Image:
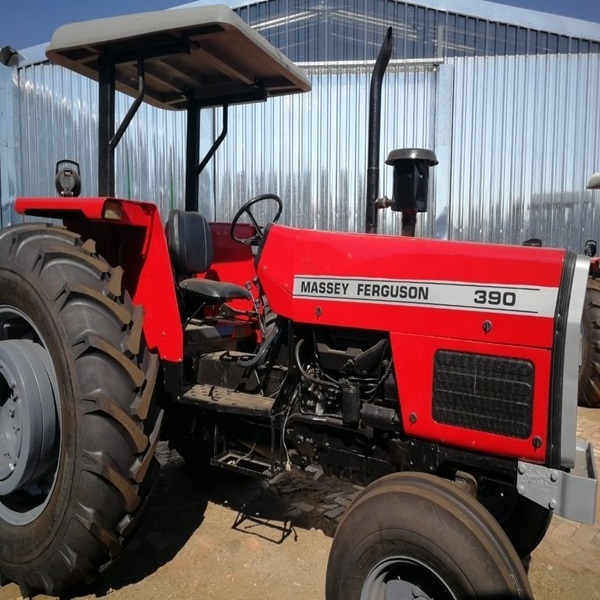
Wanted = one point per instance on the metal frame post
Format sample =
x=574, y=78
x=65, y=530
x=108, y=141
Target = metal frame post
x=106, y=127
x=192, y=155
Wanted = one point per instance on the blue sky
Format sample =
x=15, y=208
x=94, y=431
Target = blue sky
x=26, y=23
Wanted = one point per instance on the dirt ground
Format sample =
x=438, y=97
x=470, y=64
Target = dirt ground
x=232, y=538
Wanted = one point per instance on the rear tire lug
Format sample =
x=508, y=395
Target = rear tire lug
x=57, y=296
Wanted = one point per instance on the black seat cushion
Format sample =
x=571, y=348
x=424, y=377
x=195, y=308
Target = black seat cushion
x=214, y=292
x=190, y=242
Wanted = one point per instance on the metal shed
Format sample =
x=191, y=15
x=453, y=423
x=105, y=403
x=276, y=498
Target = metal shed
x=508, y=99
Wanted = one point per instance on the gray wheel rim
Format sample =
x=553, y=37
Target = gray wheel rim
x=29, y=420
x=404, y=578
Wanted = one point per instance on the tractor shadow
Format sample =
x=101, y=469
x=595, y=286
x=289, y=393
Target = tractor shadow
x=293, y=501
x=272, y=511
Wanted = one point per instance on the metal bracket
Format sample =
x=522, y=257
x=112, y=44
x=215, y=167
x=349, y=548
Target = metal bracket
x=569, y=494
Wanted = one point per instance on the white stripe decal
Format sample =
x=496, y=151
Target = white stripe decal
x=512, y=299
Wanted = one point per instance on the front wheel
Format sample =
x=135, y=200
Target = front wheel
x=418, y=536
x=78, y=423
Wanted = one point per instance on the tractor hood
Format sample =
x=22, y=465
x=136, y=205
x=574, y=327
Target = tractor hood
x=491, y=293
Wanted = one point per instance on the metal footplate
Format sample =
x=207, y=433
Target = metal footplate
x=569, y=494
x=225, y=400
x=246, y=464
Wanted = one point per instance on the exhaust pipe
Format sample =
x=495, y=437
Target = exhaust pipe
x=375, y=131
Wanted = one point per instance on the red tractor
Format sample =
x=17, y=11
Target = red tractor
x=442, y=375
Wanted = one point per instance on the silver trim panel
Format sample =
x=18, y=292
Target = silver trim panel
x=568, y=425
x=571, y=495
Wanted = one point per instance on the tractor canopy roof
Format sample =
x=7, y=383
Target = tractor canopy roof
x=207, y=54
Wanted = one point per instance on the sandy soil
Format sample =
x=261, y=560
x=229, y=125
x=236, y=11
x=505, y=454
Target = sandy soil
x=231, y=538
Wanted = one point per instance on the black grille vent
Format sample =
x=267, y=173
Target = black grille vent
x=486, y=393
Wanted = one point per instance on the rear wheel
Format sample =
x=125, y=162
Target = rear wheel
x=78, y=423
x=418, y=536
x=589, y=370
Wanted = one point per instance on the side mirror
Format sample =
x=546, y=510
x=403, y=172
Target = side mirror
x=67, y=179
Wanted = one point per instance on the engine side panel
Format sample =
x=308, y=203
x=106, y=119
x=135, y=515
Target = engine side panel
x=415, y=369
x=472, y=327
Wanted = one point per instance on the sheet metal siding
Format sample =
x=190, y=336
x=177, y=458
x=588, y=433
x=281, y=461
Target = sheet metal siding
x=8, y=143
x=523, y=143
x=328, y=30
x=526, y=139
x=311, y=149
x=57, y=120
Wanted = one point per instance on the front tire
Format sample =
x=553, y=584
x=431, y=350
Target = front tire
x=88, y=460
x=416, y=535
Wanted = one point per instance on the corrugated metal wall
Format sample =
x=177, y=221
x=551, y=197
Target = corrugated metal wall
x=517, y=135
x=312, y=149
x=57, y=116
x=334, y=30
x=8, y=142
x=526, y=138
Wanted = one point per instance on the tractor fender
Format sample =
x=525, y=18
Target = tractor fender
x=128, y=234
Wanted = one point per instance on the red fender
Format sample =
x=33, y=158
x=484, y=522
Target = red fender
x=129, y=234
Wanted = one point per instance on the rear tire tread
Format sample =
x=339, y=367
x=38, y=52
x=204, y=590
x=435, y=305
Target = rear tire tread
x=59, y=259
x=96, y=343
x=141, y=405
x=102, y=403
x=142, y=464
x=105, y=468
x=91, y=520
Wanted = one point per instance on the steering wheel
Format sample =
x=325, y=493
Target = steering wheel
x=245, y=208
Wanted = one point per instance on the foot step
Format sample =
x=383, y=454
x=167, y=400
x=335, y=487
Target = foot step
x=225, y=400
x=254, y=466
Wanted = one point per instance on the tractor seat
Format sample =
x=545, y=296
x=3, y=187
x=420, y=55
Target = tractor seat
x=191, y=250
